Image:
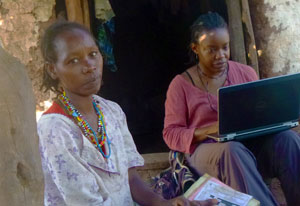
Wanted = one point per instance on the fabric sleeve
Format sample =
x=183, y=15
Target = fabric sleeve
x=251, y=74
x=134, y=158
x=61, y=158
x=177, y=135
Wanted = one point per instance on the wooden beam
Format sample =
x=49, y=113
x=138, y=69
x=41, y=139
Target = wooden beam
x=74, y=10
x=78, y=11
x=237, y=46
x=249, y=37
x=86, y=13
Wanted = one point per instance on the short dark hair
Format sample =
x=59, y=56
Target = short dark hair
x=49, y=52
x=205, y=22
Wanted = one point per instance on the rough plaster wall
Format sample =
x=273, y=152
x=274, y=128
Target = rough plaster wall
x=21, y=23
x=276, y=27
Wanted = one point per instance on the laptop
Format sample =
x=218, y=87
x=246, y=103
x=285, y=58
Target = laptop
x=258, y=108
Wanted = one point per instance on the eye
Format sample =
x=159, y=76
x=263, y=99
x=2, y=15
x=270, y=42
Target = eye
x=212, y=50
x=226, y=47
x=73, y=61
x=93, y=53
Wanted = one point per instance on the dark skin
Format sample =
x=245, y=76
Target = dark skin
x=144, y=196
x=79, y=71
x=212, y=50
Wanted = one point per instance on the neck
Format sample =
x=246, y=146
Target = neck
x=84, y=104
x=208, y=73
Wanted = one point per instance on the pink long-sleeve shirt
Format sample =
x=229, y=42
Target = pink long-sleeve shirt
x=187, y=107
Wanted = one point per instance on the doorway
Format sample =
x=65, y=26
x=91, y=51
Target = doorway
x=150, y=46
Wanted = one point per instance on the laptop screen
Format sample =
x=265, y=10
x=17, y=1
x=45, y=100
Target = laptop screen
x=259, y=104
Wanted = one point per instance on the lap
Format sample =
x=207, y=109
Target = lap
x=275, y=151
x=267, y=150
x=209, y=157
x=215, y=150
x=269, y=142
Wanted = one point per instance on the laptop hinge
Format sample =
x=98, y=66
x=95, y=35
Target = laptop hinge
x=286, y=124
x=231, y=135
x=291, y=124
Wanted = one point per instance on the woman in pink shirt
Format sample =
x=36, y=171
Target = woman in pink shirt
x=191, y=114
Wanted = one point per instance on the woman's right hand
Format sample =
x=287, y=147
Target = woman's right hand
x=200, y=133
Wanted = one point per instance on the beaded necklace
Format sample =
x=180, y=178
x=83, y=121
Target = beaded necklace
x=86, y=128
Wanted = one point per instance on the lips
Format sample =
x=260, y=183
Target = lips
x=92, y=80
x=222, y=63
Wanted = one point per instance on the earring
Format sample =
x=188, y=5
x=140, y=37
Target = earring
x=196, y=57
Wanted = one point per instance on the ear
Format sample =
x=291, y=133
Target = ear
x=194, y=47
x=51, y=70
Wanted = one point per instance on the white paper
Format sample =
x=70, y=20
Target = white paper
x=225, y=195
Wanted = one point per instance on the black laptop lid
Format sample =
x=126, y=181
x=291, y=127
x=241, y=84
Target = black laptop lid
x=258, y=104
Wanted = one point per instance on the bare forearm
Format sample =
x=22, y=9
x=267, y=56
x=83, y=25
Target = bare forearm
x=145, y=197
x=141, y=193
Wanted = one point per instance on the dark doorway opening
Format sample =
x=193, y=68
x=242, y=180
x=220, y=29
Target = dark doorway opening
x=150, y=47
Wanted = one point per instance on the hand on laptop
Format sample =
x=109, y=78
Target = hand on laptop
x=200, y=133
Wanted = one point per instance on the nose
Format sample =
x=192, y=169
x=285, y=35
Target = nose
x=88, y=66
x=220, y=54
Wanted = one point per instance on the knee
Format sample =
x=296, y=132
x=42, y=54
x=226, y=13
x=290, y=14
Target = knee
x=233, y=148
x=287, y=138
x=237, y=153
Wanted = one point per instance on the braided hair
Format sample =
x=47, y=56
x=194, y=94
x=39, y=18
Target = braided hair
x=205, y=22
x=49, y=52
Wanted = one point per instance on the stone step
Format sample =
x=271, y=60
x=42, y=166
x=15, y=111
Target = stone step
x=154, y=164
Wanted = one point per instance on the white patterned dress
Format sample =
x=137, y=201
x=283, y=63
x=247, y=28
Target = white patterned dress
x=75, y=172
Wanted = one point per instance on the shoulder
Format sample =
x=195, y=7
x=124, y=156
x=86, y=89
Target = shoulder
x=107, y=104
x=55, y=120
x=189, y=74
x=242, y=70
x=110, y=108
x=177, y=82
x=58, y=127
x=238, y=67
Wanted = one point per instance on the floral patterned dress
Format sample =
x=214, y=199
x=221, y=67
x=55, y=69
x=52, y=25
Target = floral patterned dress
x=75, y=172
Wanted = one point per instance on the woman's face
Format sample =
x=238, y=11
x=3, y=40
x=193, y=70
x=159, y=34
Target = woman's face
x=213, y=50
x=79, y=63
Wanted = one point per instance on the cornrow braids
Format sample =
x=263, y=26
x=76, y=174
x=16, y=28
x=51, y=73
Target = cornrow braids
x=205, y=22
x=209, y=21
x=49, y=52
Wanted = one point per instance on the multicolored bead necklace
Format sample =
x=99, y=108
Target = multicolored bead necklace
x=86, y=128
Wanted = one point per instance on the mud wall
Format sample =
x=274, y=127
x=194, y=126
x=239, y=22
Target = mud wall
x=21, y=24
x=276, y=28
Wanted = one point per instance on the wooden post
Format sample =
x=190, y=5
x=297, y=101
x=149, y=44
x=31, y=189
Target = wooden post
x=78, y=10
x=20, y=163
x=237, y=46
x=86, y=13
x=74, y=10
x=249, y=37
